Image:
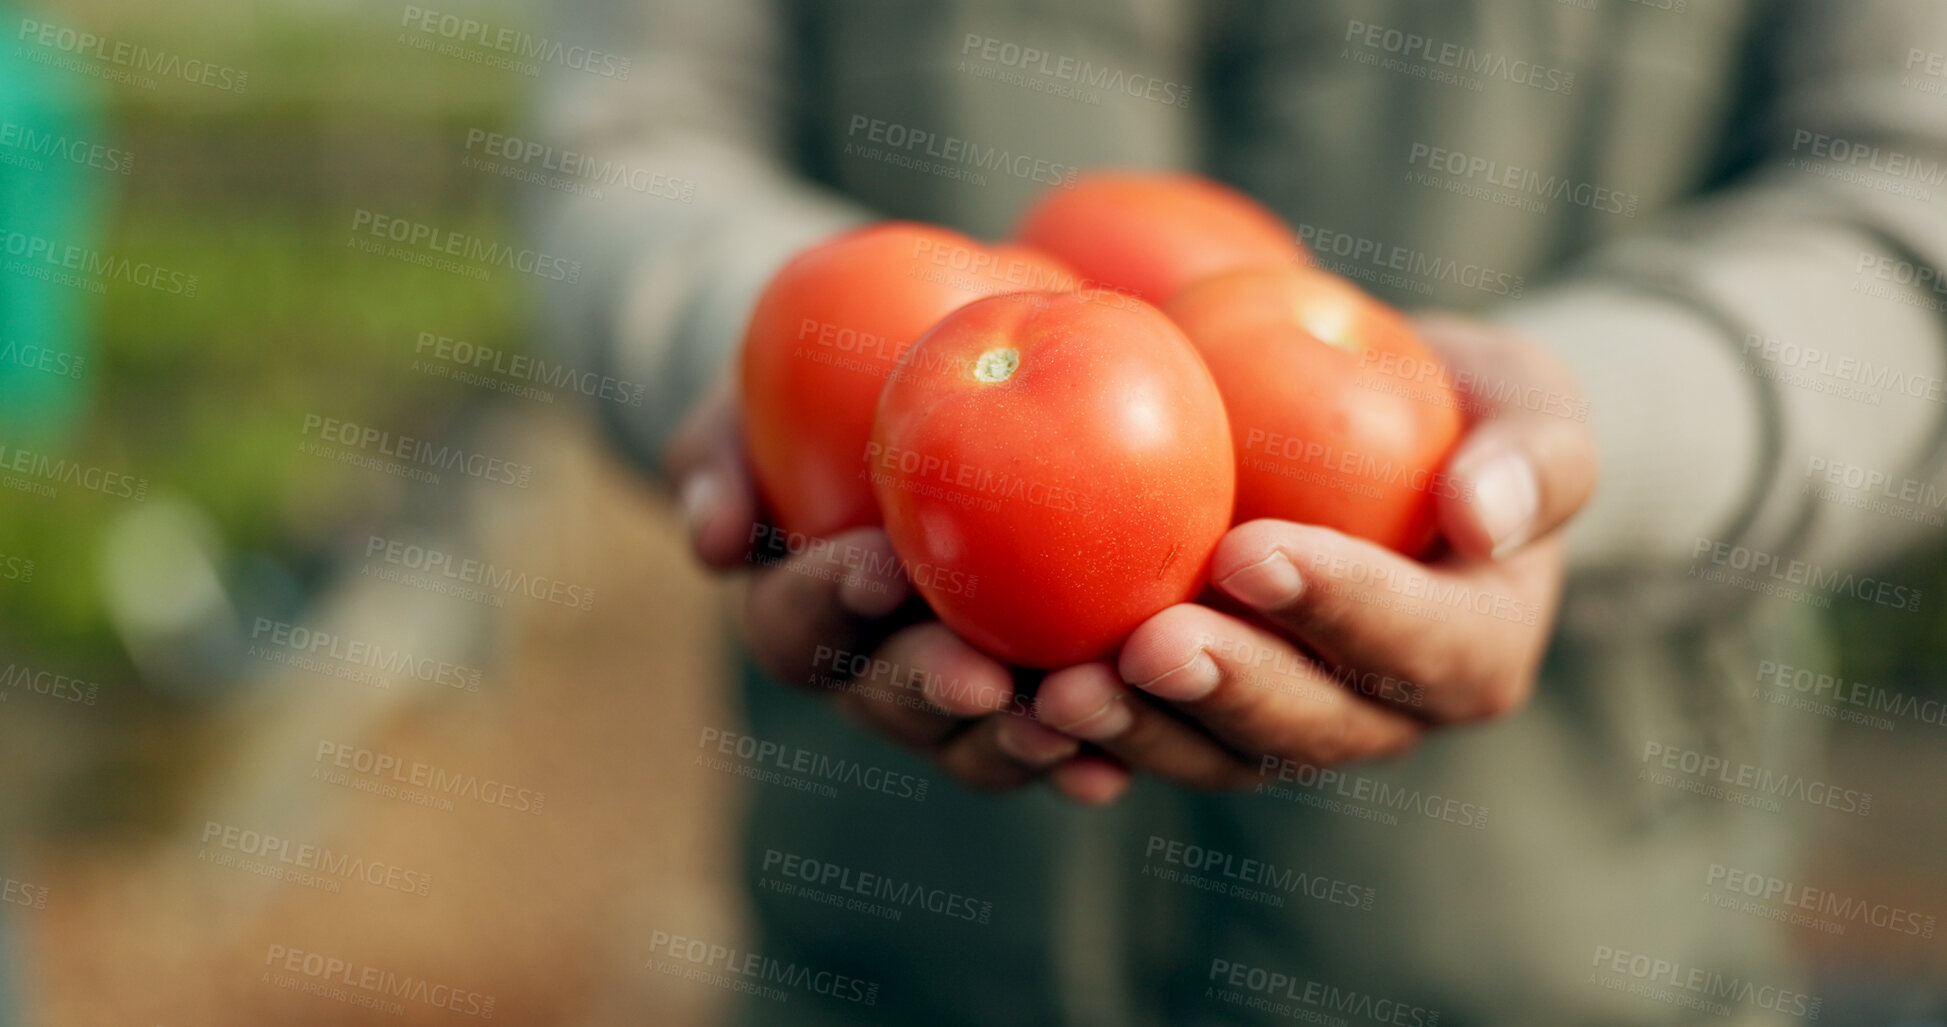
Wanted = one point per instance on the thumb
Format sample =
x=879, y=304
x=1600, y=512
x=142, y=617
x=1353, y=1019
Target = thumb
x=712, y=480
x=1523, y=469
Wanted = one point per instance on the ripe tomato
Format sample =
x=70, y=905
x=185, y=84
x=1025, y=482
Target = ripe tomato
x=1152, y=233
x=1341, y=415
x=824, y=335
x=1053, y=471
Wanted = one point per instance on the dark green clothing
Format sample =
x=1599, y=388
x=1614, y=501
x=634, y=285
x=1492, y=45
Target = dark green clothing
x=1493, y=924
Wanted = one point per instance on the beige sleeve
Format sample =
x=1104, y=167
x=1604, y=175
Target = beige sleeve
x=1769, y=370
x=702, y=206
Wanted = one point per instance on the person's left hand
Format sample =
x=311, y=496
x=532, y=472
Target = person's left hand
x=1330, y=648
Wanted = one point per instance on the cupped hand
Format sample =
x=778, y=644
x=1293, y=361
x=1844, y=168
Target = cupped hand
x=1318, y=648
x=839, y=616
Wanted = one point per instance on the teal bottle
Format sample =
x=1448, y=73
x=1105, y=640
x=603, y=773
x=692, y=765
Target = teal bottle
x=49, y=202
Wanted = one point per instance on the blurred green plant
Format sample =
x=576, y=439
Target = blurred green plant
x=253, y=192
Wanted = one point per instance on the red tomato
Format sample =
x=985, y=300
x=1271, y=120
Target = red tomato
x=824, y=335
x=1053, y=471
x=1152, y=232
x=1341, y=415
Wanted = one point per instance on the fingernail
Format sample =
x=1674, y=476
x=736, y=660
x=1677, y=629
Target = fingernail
x=1187, y=683
x=1269, y=584
x=876, y=584
x=1032, y=744
x=1110, y=720
x=699, y=495
x=1506, y=499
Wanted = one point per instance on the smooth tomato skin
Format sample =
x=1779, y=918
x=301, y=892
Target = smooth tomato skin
x=1045, y=515
x=1151, y=233
x=824, y=336
x=1341, y=415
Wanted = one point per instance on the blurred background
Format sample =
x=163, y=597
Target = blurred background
x=204, y=599
x=153, y=610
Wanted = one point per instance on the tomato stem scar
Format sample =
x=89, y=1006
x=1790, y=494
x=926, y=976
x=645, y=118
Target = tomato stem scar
x=997, y=365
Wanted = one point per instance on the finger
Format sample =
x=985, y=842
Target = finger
x=967, y=682
x=892, y=699
x=1030, y=743
x=1091, y=779
x=1256, y=692
x=874, y=584
x=976, y=757
x=712, y=480
x=1524, y=468
x=1517, y=480
x=1456, y=640
x=1092, y=703
x=800, y=613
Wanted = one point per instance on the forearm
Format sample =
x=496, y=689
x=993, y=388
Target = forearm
x=673, y=268
x=1787, y=323
x=1726, y=366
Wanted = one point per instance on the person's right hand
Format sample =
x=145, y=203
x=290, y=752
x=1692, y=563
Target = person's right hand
x=839, y=616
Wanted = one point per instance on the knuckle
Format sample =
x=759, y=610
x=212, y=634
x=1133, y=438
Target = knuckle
x=1346, y=737
x=1308, y=743
x=1332, y=748
x=1498, y=699
x=1058, y=707
x=1243, y=704
x=1145, y=738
